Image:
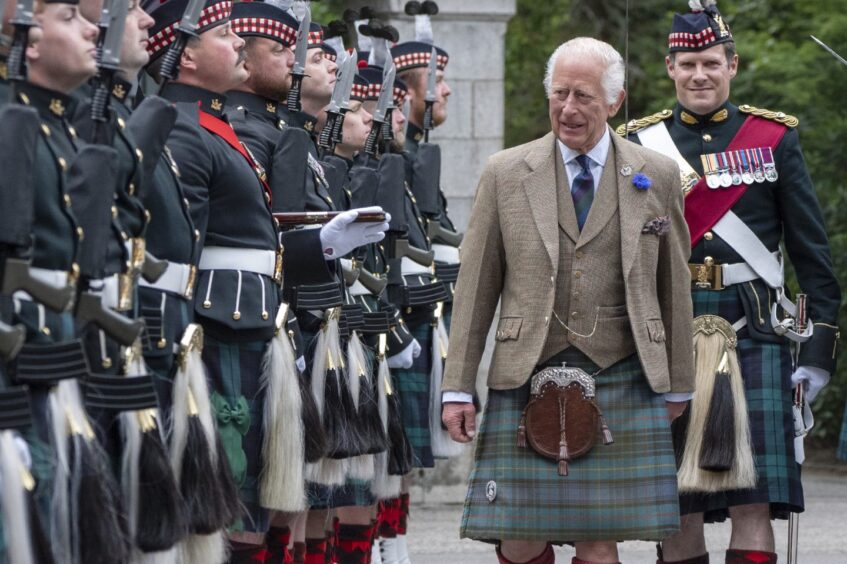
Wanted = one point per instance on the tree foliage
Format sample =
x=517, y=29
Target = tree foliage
x=781, y=68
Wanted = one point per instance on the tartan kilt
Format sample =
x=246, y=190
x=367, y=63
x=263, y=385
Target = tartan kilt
x=234, y=371
x=353, y=493
x=842, y=442
x=622, y=491
x=766, y=371
x=412, y=387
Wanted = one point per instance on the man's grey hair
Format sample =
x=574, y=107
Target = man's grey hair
x=588, y=47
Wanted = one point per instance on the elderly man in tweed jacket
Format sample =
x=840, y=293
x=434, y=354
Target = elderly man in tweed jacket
x=580, y=236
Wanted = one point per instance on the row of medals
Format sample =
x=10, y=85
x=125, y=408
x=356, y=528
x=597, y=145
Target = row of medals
x=743, y=166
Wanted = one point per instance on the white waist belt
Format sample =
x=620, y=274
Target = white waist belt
x=108, y=289
x=740, y=272
x=446, y=253
x=177, y=279
x=58, y=278
x=259, y=261
x=357, y=289
x=410, y=267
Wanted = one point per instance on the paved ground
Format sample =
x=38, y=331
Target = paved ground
x=434, y=538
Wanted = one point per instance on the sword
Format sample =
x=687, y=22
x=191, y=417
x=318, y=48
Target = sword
x=299, y=69
x=830, y=50
x=108, y=64
x=333, y=111
x=431, y=95
x=22, y=21
x=800, y=320
x=187, y=28
x=386, y=96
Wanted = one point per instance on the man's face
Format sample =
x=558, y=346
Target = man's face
x=134, y=47
x=357, y=126
x=702, y=78
x=216, y=59
x=66, y=54
x=269, y=64
x=320, y=76
x=398, y=125
x=577, y=103
x=442, y=91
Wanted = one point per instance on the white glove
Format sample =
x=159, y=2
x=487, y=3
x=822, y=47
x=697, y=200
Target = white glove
x=406, y=357
x=815, y=379
x=341, y=235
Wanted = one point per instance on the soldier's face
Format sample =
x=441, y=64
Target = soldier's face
x=578, y=107
x=134, y=48
x=65, y=56
x=269, y=64
x=216, y=60
x=398, y=125
x=357, y=126
x=320, y=77
x=702, y=78
x=442, y=90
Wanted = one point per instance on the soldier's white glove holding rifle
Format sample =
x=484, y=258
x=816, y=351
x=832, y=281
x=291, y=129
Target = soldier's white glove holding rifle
x=341, y=235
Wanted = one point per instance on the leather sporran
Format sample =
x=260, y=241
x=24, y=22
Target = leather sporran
x=562, y=420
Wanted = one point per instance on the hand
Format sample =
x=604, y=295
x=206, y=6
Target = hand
x=675, y=408
x=341, y=235
x=460, y=419
x=406, y=357
x=813, y=378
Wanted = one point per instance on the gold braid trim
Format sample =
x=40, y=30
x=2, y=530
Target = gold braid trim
x=637, y=124
x=779, y=117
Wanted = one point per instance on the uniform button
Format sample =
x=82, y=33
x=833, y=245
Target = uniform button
x=708, y=236
x=236, y=315
x=196, y=234
x=114, y=212
x=139, y=154
x=265, y=315
x=162, y=343
x=185, y=201
x=107, y=363
x=46, y=331
x=575, y=314
x=707, y=138
x=63, y=164
x=121, y=123
x=577, y=274
x=80, y=233
x=131, y=188
x=124, y=236
x=207, y=304
x=67, y=200
x=72, y=131
x=147, y=216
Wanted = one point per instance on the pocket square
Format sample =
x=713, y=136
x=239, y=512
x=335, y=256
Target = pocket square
x=658, y=226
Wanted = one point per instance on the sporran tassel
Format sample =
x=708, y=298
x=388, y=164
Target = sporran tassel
x=442, y=445
x=17, y=484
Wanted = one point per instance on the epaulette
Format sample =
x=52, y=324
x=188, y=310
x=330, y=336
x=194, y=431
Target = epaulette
x=779, y=117
x=638, y=124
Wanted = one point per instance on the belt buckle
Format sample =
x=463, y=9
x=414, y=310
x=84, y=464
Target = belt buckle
x=707, y=276
x=278, y=265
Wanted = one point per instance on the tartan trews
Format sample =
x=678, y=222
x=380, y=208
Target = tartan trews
x=412, y=386
x=626, y=490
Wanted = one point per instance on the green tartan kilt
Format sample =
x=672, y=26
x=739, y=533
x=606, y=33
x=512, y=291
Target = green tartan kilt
x=622, y=491
x=353, y=493
x=234, y=370
x=412, y=387
x=766, y=370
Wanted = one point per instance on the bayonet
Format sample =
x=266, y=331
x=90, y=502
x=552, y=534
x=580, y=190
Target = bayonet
x=333, y=111
x=108, y=63
x=187, y=28
x=22, y=21
x=431, y=94
x=299, y=69
x=386, y=96
x=388, y=87
x=829, y=49
x=347, y=79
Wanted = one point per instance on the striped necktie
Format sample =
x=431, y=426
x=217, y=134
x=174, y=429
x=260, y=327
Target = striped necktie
x=582, y=190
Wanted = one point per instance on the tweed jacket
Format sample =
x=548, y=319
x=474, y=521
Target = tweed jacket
x=510, y=255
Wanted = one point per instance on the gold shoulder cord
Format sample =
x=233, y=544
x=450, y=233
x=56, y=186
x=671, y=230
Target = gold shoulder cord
x=635, y=125
x=779, y=117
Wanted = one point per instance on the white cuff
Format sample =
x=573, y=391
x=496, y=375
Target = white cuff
x=678, y=396
x=456, y=397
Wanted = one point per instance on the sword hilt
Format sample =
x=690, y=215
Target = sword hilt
x=293, y=101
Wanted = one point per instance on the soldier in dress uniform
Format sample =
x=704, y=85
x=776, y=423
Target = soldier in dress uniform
x=748, y=193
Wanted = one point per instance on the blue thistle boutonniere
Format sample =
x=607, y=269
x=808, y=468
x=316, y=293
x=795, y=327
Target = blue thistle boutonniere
x=641, y=181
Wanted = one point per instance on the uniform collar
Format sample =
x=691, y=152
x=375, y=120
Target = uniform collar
x=414, y=133
x=121, y=89
x=208, y=101
x=47, y=102
x=254, y=104
x=691, y=119
x=303, y=121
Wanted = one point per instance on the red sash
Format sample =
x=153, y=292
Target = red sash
x=704, y=207
x=225, y=131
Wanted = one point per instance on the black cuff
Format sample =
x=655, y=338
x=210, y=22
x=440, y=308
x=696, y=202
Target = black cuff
x=303, y=258
x=821, y=351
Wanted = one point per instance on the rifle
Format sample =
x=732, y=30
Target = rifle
x=438, y=233
x=351, y=270
x=12, y=338
x=402, y=248
x=331, y=133
x=22, y=21
x=122, y=329
x=112, y=22
x=17, y=276
x=431, y=95
x=298, y=71
x=374, y=283
x=187, y=29
x=292, y=219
